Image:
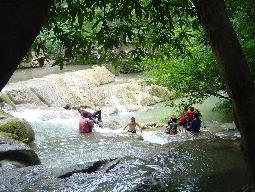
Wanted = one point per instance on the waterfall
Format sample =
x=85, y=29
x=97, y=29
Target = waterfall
x=122, y=109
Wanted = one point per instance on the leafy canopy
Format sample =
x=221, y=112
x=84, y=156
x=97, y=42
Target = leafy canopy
x=161, y=37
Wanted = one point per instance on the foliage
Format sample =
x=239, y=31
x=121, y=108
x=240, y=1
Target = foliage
x=195, y=77
x=242, y=14
x=162, y=37
x=81, y=30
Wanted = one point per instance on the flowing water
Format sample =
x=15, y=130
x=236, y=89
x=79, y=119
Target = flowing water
x=150, y=161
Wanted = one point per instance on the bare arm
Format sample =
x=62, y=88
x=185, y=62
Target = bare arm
x=126, y=126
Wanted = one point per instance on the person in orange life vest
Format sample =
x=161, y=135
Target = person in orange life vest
x=85, y=124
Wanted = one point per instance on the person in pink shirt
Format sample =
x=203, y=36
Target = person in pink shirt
x=85, y=124
x=94, y=116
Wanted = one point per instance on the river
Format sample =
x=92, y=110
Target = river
x=150, y=161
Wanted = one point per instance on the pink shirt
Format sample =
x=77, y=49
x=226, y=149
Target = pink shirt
x=85, y=125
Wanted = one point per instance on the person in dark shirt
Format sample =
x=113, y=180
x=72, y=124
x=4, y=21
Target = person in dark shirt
x=195, y=124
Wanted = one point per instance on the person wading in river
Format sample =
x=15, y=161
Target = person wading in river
x=132, y=126
x=172, y=125
x=95, y=116
x=85, y=124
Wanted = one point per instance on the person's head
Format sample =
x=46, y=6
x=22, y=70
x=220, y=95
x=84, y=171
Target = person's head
x=191, y=109
x=80, y=110
x=84, y=114
x=67, y=107
x=186, y=108
x=174, y=118
x=132, y=119
x=196, y=115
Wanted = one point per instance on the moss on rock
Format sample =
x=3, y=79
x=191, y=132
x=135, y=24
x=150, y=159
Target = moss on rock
x=3, y=115
x=4, y=98
x=18, y=127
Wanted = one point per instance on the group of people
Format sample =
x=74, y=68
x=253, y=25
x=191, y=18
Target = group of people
x=189, y=120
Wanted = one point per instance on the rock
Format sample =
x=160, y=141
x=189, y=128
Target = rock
x=35, y=178
x=20, y=128
x=15, y=154
x=40, y=178
x=151, y=125
x=84, y=87
x=228, y=126
x=19, y=93
x=5, y=100
x=3, y=115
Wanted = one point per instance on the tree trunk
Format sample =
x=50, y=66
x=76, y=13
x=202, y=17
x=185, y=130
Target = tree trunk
x=21, y=21
x=235, y=71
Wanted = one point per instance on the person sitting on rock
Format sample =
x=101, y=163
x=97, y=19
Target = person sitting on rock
x=85, y=124
x=95, y=116
x=132, y=126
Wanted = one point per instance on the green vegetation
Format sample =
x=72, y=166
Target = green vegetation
x=160, y=38
x=19, y=128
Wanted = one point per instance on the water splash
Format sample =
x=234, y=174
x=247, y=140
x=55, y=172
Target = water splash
x=159, y=137
x=122, y=110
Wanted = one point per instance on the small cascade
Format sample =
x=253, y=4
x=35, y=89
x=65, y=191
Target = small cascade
x=56, y=90
x=122, y=110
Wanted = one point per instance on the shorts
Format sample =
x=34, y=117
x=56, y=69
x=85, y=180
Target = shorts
x=131, y=131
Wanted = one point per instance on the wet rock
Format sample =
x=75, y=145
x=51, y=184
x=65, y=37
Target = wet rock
x=5, y=100
x=15, y=154
x=228, y=126
x=3, y=115
x=20, y=128
x=158, y=91
x=84, y=168
x=40, y=178
x=151, y=125
x=85, y=87
x=19, y=93
x=35, y=178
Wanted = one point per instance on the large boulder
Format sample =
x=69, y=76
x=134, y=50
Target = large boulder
x=20, y=128
x=15, y=154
